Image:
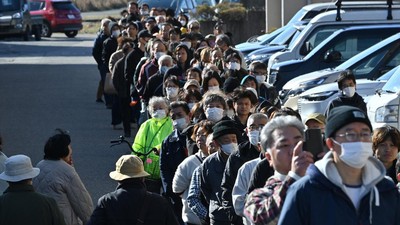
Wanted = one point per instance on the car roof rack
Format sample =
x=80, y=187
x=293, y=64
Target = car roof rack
x=338, y=4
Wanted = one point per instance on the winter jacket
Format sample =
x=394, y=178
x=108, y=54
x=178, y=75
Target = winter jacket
x=356, y=101
x=181, y=182
x=173, y=152
x=123, y=206
x=320, y=197
x=245, y=153
x=21, y=205
x=239, y=191
x=149, y=136
x=98, y=48
x=60, y=181
x=110, y=45
x=212, y=171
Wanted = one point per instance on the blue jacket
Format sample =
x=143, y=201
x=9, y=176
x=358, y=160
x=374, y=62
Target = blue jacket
x=319, y=198
x=211, y=172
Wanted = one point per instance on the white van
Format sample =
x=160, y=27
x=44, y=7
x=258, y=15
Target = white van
x=325, y=24
x=383, y=108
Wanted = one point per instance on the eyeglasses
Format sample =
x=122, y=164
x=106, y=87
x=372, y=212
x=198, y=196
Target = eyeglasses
x=352, y=137
x=255, y=127
x=200, y=136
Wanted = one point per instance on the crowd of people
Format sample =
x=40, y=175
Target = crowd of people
x=213, y=144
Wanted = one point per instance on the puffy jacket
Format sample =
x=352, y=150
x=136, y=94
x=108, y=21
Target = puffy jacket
x=319, y=197
x=150, y=135
x=356, y=101
x=211, y=172
x=60, y=181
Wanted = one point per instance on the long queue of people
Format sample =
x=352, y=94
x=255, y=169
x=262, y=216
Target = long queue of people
x=213, y=144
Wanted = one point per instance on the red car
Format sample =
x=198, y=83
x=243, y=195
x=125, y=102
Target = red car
x=59, y=16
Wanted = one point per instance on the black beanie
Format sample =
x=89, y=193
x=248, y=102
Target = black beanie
x=225, y=127
x=341, y=116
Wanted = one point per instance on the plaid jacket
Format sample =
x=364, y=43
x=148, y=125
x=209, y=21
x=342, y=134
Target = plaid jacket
x=264, y=205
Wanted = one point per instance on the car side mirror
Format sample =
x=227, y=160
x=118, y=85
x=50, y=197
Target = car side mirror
x=332, y=56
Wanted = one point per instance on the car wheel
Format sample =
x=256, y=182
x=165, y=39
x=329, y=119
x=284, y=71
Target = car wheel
x=46, y=29
x=71, y=33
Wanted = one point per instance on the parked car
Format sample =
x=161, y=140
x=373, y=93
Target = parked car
x=264, y=54
x=384, y=107
x=16, y=20
x=59, y=16
x=177, y=5
x=334, y=50
x=370, y=63
x=317, y=99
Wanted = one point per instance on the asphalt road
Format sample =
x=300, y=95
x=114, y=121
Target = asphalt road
x=52, y=84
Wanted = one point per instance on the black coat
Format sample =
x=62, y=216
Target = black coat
x=356, y=101
x=123, y=206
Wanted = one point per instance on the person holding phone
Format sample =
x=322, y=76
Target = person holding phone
x=281, y=138
x=347, y=186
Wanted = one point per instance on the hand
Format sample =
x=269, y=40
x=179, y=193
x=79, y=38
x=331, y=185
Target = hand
x=301, y=159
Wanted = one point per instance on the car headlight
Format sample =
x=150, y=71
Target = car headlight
x=16, y=15
x=387, y=113
x=259, y=57
x=271, y=78
x=311, y=83
x=321, y=96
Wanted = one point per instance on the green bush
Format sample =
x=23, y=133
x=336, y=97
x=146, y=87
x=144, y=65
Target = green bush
x=225, y=11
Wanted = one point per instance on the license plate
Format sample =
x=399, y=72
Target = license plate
x=70, y=16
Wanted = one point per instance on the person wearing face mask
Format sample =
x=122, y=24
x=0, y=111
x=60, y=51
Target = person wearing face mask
x=214, y=106
x=348, y=181
x=149, y=139
x=110, y=45
x=173, y=152
x=154, y=85
x=171, y=87
x=248, y=150
x=211, y=81
x=281, y=140
x=211, y=170
x=348, y=95
x=151, y=67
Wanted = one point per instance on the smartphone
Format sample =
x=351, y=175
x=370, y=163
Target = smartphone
x=313, y=142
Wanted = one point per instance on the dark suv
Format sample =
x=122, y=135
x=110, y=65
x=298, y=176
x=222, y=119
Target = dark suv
x=59, y=16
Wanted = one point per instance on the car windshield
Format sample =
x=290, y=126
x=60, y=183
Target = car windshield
x=393, y=84
x=388, y=74
x=267, y=38
x=63, y=6
x=286, y=35
x=9, y=5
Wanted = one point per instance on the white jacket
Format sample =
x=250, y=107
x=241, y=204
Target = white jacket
x=239, y=191
x=181, y=182
x=60, y=181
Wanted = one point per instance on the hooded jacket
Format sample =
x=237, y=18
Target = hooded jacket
x=320, y=197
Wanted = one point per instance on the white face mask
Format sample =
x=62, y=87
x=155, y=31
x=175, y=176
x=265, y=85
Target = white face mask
x=183, y=22
x=214, y=114
x=260, y=78
x=159, y=114
x=116, y=33
x=157, y=55
x=229, y=148
x=172, y=92
x=188, y=44
x=213, y=88
x=349, y=91
x=355, y=154
x=234, y=66
x=163, y=69
x=144, y=12
x=254, y=137
x=180, y=124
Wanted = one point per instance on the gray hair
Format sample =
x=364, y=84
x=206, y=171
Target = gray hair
x=104, y=22
x=165, y=58
x=154, y=100
x=256, y=116
x=266, y=137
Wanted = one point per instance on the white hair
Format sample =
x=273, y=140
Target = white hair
x=266, y=137
x=165, y=58
x=104, y=22
x=154, y=100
